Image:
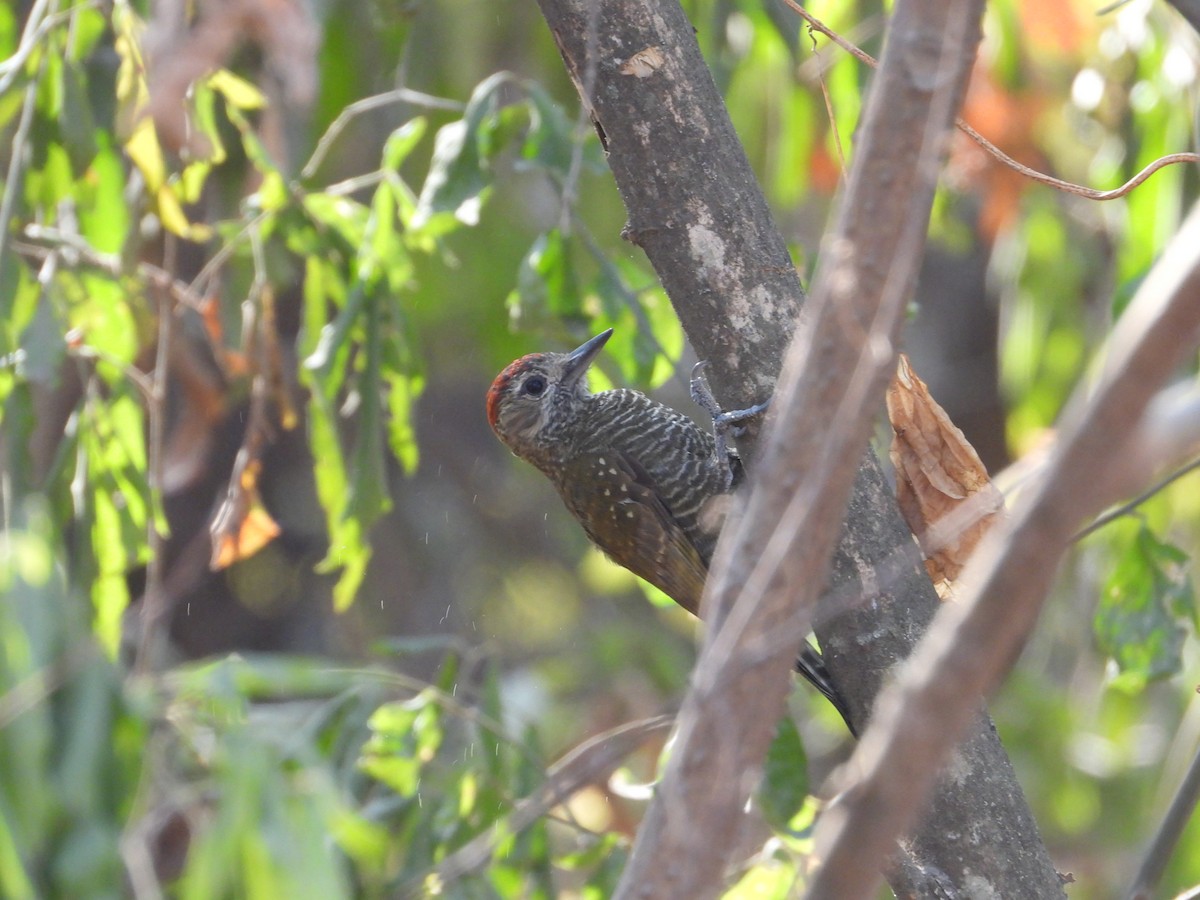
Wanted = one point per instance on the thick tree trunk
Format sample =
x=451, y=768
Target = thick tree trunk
x=696, y=210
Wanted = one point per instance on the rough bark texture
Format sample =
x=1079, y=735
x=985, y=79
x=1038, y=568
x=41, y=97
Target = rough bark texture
x=696, y=210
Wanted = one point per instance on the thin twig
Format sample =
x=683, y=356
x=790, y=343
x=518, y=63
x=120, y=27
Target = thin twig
x=1158, y=854
x=108, y=263
x=36, y=27
x=356, y=183
x=1066, y=187
x=219, y=258
x=367, y=104
x=837, y=134
x=12, y=184
x=1125, y=508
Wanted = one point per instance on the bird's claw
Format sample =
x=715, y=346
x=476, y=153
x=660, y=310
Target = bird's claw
x=724, y=423
x=729, y=420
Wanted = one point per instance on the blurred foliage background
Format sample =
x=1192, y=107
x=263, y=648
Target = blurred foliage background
x=259, y=262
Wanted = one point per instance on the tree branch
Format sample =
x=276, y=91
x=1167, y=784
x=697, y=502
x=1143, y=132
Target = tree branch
x=695, y=209
x=975, y=641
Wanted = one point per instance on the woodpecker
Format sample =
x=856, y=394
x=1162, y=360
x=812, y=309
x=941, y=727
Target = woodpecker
x=648, y=485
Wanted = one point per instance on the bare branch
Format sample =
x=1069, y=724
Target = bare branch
x=973, y=642
x=369, y=104
x=12, y=182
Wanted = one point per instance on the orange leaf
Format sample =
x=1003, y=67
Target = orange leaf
x=242, y=525
x=943, y=489
x=257, y=529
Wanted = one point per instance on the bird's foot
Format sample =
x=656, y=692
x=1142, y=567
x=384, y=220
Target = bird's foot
x=724, y=423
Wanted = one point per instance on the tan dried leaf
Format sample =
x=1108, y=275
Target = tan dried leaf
x=943, y=489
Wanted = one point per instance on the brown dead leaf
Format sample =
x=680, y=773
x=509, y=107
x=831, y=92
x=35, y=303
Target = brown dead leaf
x=943, y=489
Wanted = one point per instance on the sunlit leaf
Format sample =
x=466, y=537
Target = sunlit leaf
x=143, y=148
x=238, y=92
x=348, y=549
x=104, y=215
x=403, y=391
x=88, y=27
x=402, y=142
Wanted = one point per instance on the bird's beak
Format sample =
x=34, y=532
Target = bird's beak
x=582, y=356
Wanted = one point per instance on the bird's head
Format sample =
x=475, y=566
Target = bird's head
x=532, y=400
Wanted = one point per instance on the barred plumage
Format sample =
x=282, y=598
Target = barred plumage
x=647, y=484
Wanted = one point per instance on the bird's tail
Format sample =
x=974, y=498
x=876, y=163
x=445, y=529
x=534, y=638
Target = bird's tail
x=812, y=667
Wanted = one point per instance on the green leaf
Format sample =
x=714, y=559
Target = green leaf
x=546, y=281
x=771, y=879
x=328, y=357
x=323, y=289
x=403, y=391
x=458, y=177
x=104, y=216
x=44, y=347
x=75, y=119
x=784, y=786
x=456, y=182
x=1145, y=596
x=88, y=26
x=346, y=218
x=549, y=140
x=402, y=142
x=348, y=549
x=9, y=32
x=118, y=505
x=204, y=120
x=369, y=496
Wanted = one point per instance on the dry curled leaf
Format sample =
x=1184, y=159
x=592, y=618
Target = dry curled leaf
x=943, y=489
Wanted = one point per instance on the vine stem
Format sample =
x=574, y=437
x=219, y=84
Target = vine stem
x=1067, y=187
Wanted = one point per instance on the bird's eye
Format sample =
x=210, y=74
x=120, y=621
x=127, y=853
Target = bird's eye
x=534, y=386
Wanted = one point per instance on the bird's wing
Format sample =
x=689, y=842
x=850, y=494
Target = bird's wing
x=615, y=499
